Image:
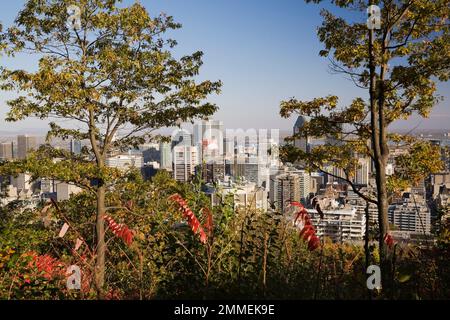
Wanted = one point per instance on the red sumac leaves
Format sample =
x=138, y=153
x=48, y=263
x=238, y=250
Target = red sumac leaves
x=192, y=220
x=120, y=230
x=307, y=231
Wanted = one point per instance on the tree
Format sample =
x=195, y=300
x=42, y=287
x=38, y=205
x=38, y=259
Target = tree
x=398, y=64
x=110, y=71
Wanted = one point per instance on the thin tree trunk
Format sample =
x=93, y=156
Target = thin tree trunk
x=101, y=246
x=380, y=158
x=384, y=154
x=366, y=244
x=383, y=226
x=266, y=239
x=99, y=272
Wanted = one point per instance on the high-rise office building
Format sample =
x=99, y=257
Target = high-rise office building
x=6, y=151
x=334, y=139
x=284, y=189
x=300, y=142
x=185, y=159
x=166, y=156
x=24, y=145
x=305, y=186
x=75, y=146
x=247, y=168
x=213, y=171
x=362, y=172
x=336, y=174
x=181, y=137
x=209, y=136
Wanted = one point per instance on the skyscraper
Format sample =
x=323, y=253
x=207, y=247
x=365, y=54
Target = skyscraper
x=284, y=189
x=213, y=171
x=75, y=146
x=6, y=151
x=305, y=181
x=166, y=156
x=24, y=145
x=362, y=172
x=300, y=142
x=181, y=137
x=209, y=135
x=185, y=159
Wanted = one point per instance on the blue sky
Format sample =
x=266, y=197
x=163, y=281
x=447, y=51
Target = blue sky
x=264, y=51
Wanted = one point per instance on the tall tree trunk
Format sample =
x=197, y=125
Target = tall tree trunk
x=383, y=224
x=99, y=271
x=384, y=154
x=101, y=246
x=380, y=157
x=366, y=244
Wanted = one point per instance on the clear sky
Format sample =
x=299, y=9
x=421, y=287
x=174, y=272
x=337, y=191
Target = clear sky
x=264, y=51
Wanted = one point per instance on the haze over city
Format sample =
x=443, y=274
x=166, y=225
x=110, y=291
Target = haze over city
x=263, y=52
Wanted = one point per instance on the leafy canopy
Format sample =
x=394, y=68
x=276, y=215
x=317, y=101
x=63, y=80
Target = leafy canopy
x=115, y=76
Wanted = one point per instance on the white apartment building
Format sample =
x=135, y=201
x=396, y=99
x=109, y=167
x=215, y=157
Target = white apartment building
x=185, y=159
x=125, y=161
x=360, y=205
x=340, y=224
x=246, y=195
x=411, y=215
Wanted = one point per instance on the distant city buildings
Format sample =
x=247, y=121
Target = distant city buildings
x=185, y=159
x=208, y=136
x=306, y=183
x=412, y=214
x=75, y=147
x=165, y=156
x=25, y=143
x=360, y=204
x=244, y=166
x=182, y=137
x=284, y=189
x=244, y=194
x=302, y=141
x=65, y=190
x=125, y=161
x=340, y=223
x=214, y=170
x=6, y=151
x=362, y=172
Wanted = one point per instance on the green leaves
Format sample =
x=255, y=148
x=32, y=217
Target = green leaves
x=308, y=108
x=116, y=73
x=410, y=53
